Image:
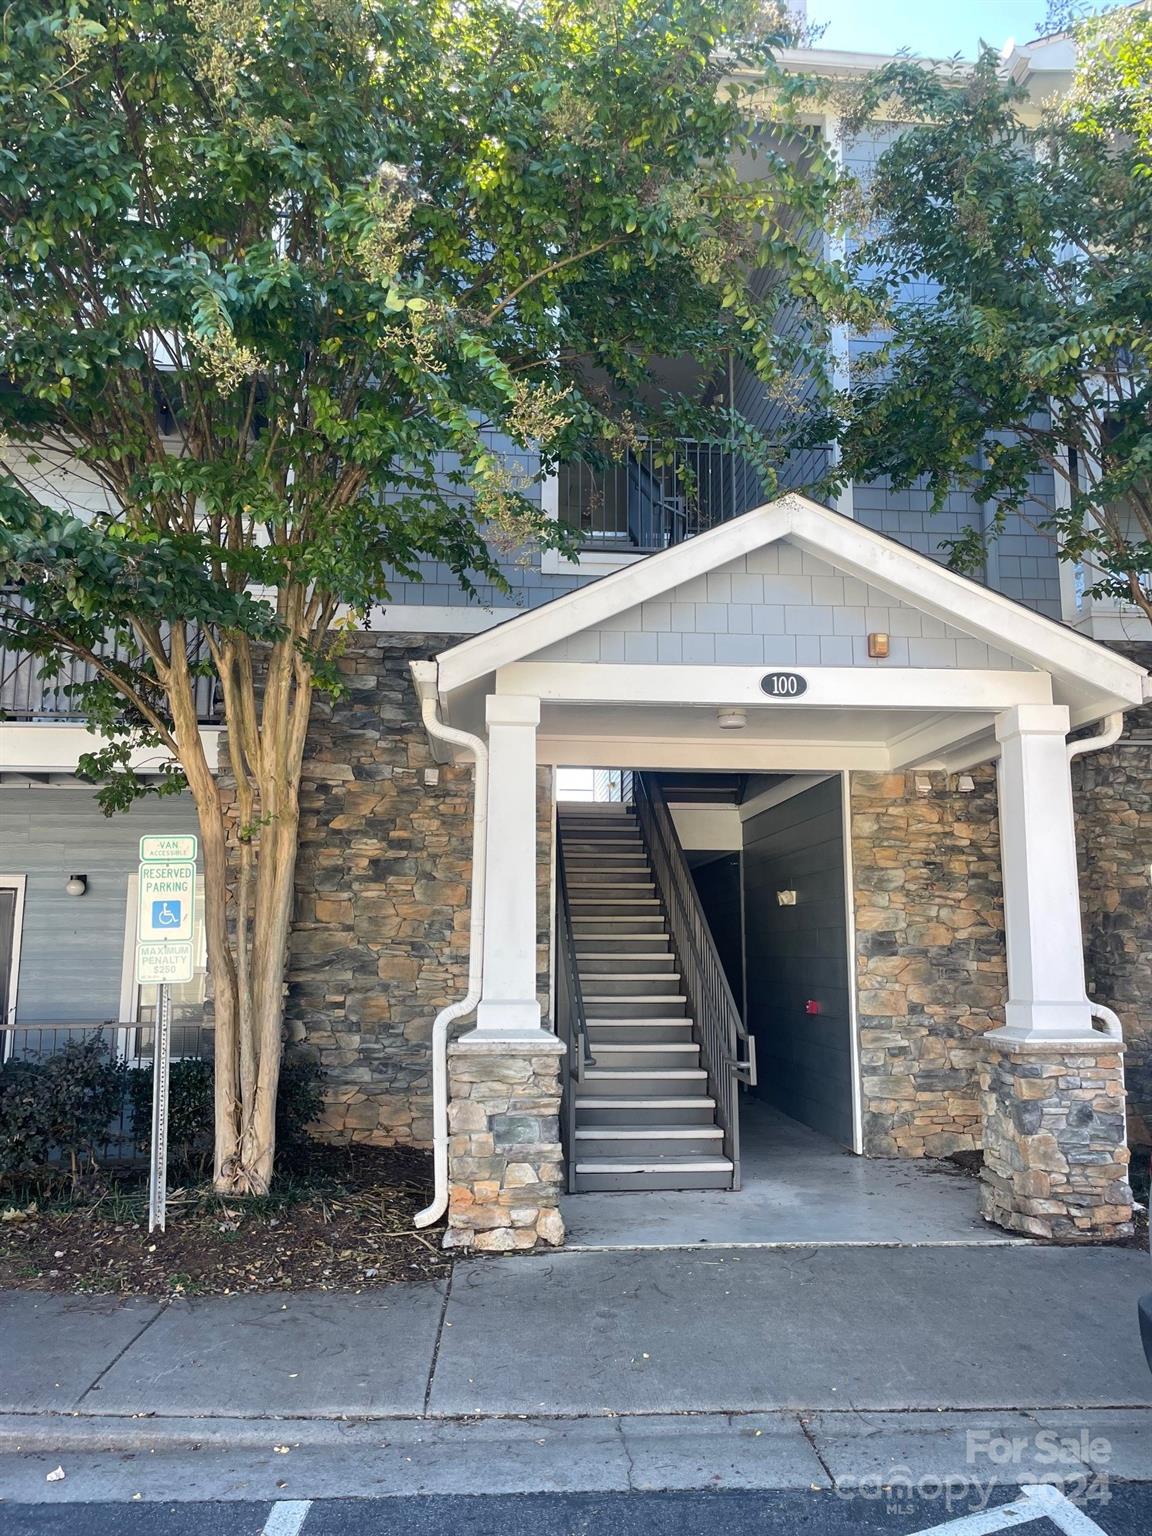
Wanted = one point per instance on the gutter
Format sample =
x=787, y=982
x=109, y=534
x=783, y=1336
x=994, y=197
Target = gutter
x=424, y=675
x=1108, y=737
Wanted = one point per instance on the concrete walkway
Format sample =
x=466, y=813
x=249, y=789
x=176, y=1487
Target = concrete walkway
x=798, y=1187
x=816, y=1329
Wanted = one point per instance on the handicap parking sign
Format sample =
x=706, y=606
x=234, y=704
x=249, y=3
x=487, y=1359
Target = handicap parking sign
x=167, y=897
x=166, y=914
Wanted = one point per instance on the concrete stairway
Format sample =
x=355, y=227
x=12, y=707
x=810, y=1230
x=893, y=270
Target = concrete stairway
x=645, y=1118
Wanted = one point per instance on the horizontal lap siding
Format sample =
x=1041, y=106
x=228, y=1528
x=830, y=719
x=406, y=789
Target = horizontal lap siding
x=72, y=946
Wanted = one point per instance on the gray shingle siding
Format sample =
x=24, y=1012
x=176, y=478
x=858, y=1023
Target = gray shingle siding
x=794, y=609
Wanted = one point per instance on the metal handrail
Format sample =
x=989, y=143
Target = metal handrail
x=571, y=1019
x=728, y=1051
x=657, y=492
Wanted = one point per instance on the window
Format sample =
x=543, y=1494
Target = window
x=11, y=925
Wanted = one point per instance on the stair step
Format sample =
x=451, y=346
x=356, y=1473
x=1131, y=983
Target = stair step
x=578, y=857
x=649, y=1132
x=606, y=999
x=634, y=988
x=630, y=1112
x=636, y=1165
x=645, y=1055
x=618, y=1174
x=621, y=954
x=612, y=917
x=610, y=1030
x=632, y=1081
x=656, y=1143
x=613, y=889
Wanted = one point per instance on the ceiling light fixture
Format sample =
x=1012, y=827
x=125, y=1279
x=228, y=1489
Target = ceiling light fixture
x=732, y=719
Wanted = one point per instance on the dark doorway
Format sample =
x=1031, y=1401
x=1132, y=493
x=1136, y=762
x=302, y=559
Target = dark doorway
x=796, y=958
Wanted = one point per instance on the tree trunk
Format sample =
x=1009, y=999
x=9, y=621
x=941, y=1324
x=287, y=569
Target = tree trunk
x=249, y=884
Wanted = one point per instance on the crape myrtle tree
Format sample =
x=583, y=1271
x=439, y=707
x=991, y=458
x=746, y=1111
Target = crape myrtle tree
x=273, y=275
x=1011, y=254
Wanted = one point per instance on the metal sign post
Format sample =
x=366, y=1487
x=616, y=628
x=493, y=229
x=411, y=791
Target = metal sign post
x=161, y=1057
x=165, y=930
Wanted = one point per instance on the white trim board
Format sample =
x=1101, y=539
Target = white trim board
x=1043, y=643
x=828, y=687
x=698, y=754
x=19, y=884
x=50, y=746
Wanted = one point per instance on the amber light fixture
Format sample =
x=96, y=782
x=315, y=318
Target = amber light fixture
x=878, y=646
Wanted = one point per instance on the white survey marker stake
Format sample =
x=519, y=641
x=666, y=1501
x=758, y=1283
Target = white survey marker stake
x=167, y=899
x=169, y=850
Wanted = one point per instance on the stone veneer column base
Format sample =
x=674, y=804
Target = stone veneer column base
x=505, y=1166
x=1055, y=1158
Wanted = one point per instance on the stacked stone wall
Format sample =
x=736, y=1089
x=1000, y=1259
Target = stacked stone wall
x=506, y=1167
x=1055, y=1160
x=1113, y=793
x=930, y=956
x=380, y=932
x=379, y=939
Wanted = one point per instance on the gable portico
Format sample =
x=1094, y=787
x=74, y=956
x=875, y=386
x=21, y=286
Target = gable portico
x=645, y=669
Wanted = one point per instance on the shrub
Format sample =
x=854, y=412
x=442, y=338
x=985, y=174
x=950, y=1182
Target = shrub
x=299, y=1101
x=190, y=1107
x=189, y=1111
x=63, y=1107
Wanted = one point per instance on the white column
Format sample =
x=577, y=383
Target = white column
x=509, y=1008
x=1046, y=992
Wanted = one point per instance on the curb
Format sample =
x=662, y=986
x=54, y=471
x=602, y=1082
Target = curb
x=51, y=1434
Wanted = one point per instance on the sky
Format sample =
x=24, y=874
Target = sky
x=935, y=28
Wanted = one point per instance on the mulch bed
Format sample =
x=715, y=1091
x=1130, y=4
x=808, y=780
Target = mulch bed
x=342, y=1223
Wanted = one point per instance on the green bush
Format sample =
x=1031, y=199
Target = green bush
x=190, y=1111
x=190, y=1107
x=299, y=1101
x=65, y=1109
x=62, y=1108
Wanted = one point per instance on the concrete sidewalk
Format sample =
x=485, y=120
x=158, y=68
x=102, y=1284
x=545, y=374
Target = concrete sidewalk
x=807, y=1329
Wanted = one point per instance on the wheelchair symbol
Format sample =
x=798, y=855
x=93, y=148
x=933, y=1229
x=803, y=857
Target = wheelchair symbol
x=166, y=914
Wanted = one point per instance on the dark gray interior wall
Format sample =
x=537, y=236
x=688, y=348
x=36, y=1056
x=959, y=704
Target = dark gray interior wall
x=72, y=948
x=794, y=954
x=718, y=886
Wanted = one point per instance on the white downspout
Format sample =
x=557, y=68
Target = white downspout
x=1108, y=737
x=424, y=673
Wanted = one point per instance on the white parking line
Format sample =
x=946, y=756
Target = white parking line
x=1041, y=1502
x=287, y=1517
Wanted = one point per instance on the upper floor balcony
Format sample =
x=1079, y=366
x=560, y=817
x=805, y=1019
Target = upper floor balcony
x=26, y=695
x=654, y=494
x=43, y=722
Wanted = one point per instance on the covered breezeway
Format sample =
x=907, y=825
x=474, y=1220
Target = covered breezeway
x=799, y=1188
x=792, y=641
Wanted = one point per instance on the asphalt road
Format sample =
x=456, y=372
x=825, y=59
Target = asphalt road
x=1126, y=1512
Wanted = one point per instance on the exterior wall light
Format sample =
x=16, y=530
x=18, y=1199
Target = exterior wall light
x=731, y=719
x=878, y=645
x=76, y=885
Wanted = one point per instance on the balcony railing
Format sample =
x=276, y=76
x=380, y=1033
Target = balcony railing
x=657, y=493
x=26, y=695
